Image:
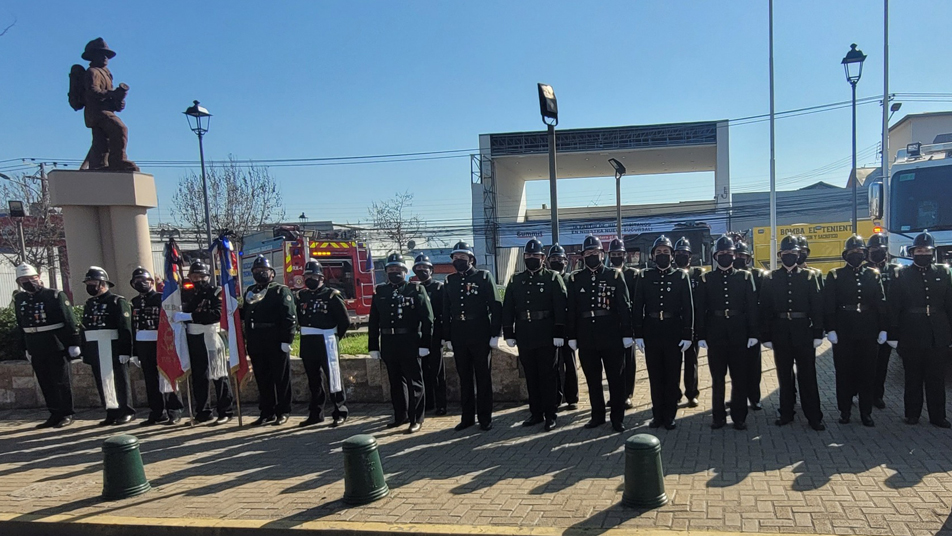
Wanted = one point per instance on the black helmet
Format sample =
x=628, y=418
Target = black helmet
x=423, y=260
x=592, y=242
x=924, y=240
x=313, y=267
x=790, y=243
x=802, y=242
x=740, y=248
x=556, y=251
x=724, y=243
x=463, y=247
x=96, y=273
x=616, y=246
x=878, y=240
x=261, y=262
x=661, y=241
x=141, y=272
x=200, y=268
x=395, y=259
x=854, y=242
x=683, y=244
x=533, y=247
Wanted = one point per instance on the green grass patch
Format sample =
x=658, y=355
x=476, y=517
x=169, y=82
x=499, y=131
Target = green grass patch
x=351, y=344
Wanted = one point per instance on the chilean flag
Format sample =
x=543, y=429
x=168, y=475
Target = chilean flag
x=172, y=351
x=230, y=319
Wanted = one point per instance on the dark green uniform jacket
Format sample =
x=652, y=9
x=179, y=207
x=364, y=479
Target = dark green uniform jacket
x=472, y=310
x=599, y=313
x=204, y=303
x=534, y=308
x=795, y=295
x=47, y=307
x=268, y=316
x=401, y=310
x=107, y=311
x=434, y=291
x=726, y=307
x=920, y=307
x=323, y=308
x=854, y=304
x=664, y=305
x=146, y=309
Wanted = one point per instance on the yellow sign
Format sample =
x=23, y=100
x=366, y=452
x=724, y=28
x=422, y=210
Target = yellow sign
x=826, y=242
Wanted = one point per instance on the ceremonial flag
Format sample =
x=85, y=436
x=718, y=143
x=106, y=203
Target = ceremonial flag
x=230, y=319
x=172, y=350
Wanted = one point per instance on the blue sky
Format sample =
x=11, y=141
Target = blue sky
x=319, y=79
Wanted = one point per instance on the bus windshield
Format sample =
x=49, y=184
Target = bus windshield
x=920, y=200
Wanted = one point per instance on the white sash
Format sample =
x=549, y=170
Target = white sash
x=217, y=360
x=151, y=335
x=333, y=358
x=104, y=338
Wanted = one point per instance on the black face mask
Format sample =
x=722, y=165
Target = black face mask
x=262, y=278
x=142, y=286
x=725, y=261
x=801, y=258
x=558, y=266
x=855, y=259
x=592, y=261
x=461, y=265
x=922, y=261
x=533, y=264
x=312, y=283
x=878, y=256
x=395, y=277
x=422, y=275
x=789, y=259
x=31, y=286
x=740, y=264
x=682, y=260
x=617, y=262
x=663, y=261
x=92, y=290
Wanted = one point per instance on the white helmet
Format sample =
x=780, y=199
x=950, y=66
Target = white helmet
x=26, y=270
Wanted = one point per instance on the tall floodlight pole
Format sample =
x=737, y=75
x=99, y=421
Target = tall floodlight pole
x=619, y=173
x=549, y=108
x=853, y=66
x=773, y=154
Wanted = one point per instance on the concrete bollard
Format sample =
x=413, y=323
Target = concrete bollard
x=644, y=477
x=363, y=474
x=123, y=475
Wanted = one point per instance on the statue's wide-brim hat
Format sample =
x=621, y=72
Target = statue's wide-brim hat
x=97, y=44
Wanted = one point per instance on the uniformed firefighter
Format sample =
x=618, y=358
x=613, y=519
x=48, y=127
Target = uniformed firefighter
x=805, y=256
x=888, y=273
x=51, y=339
x=434, y=373
x=920, y=306
x=533, y=318
x=664, y=328
x=682, y=260
x=472, y=320
x=726, y=320
x=616, y=258
x=792, y=325
x=201, y=310
x=165, y=407
x=323, y=318
x=599, y=327
x=400, y=332
x=855, y=319
x=744, y=261
x=269, y=320
x=107, y=345
x=567, y=376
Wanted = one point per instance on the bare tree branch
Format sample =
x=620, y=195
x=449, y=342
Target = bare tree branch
x=7, y=29
x=395, y=225
x=42, y=227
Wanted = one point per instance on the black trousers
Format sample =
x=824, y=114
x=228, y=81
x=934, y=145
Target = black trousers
x=161, y=405
x=754, y=373
x=52, y=373
x=272, y=370
x=317, y=367
x=925, y=367
x=567, y=377
x=405, y=371
x=804, y=356
x=434, y=378
x=473, y=362
x=630, y=368
x=541, y=368
x=882, y=367
x=223, y=396
x=724, y=357
x=120, y=375
x=690, y=373
x=663, y=359
x=593, y=359
x=855, y=364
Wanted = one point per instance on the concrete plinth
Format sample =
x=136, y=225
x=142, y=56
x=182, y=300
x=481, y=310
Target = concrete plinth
x=106, y=224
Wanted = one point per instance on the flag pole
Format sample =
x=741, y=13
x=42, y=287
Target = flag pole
x=188, y=398
x=231, y=376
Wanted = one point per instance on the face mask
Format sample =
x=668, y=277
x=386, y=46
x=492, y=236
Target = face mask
x=617, y=262
x=422, y=275
x=592, y=261
x=682, y=260
x=533, y=264
x=395, y=277
x=312, y=283
x=261, y=277
x=922, y=260
x=142, y=286
x=31, y=286
x=558, y=266
x=801, y=258
x=789, y=259
x=461, y=265
x=725, y=261
x=740, y=264
x=663, y=261
x=855, y=259
x=92, y=290
x=877, y=256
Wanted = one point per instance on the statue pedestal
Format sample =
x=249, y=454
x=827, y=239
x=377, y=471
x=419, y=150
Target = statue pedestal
x=106, y=224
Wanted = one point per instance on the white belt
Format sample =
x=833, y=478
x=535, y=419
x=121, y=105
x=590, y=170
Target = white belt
x=147, y=335
x=333, y=357
x=103, y=339
x=41, y=329
x=318, y=331
x=200, y=329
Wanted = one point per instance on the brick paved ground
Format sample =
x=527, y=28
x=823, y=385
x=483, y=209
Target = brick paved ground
x=893, y=479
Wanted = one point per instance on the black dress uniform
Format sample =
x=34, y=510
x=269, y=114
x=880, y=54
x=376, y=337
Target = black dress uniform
x=434, y=373
x=631, y=280
x=321, y=309
x=401, y=324
x=755, y=359
x=146, y=310
x=203, y=302
x=49, y=328
x=691, y=391
x=472, y=315
x=102, y=315
x=888, y=273
x=533, y=313
x=567, y=374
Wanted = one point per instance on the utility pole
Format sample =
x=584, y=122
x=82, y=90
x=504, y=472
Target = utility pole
x=45, y=203
x=773, y=160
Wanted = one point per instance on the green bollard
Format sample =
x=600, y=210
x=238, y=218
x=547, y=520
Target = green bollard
x=644, y=478
x=363, y=474
x=123, y=475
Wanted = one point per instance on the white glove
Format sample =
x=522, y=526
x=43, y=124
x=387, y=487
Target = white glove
x=628, y=342
x=831, y=336
x=135, y=361
x=640, y=344
x=374, y=354
x=29, y=358
x=448, y=345
x=286, y=347
x=124, y=359
x=685, y=345
x=573, y=344
x=511, y=343
x=751, y=342
x=74, y=351
x=882, y=337
x=817, y=343
x=703, y=344
x=424, y=352
x=768, y=345
x=182, y=317
x=893, y=344
x=494, y=342
x=558, y=343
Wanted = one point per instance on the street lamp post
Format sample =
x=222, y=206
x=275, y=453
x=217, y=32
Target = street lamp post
x=549, y=107
x=619, y=173
x=198, y=120
x=18, y=212
x=853, y=66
